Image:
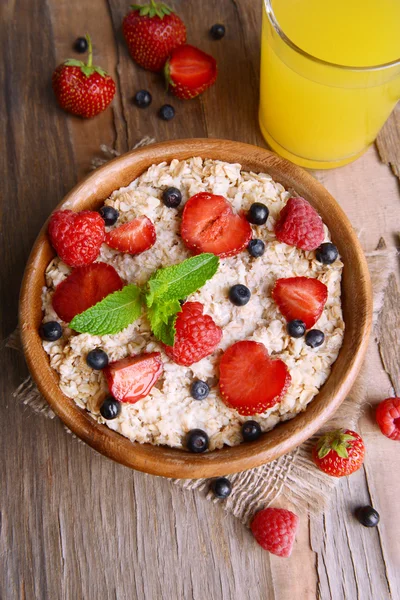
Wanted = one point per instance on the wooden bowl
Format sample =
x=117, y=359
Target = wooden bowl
x=169, y=462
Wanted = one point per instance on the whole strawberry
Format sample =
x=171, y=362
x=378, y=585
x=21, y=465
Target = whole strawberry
x=339, y=453
x=82, y=89
x=151, y=32
x=189, y=71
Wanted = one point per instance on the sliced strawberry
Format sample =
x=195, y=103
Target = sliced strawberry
x=132, y=378
x=301, y=298
x=189, y=71
x=83, y=288
x=210, y=225
x=250, y=380
x=133, y=237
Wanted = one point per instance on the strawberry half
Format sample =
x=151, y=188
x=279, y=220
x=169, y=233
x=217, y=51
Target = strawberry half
x=210, y=225
x=132, y=378
x=83, y=288
x=250, y=380
x=301, y=298
x=189, y=71
x=133, y=237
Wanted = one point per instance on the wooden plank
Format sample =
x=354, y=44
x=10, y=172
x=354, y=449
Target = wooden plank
x=388, y=142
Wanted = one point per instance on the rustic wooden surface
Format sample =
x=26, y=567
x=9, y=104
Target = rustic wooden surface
x=74, y=525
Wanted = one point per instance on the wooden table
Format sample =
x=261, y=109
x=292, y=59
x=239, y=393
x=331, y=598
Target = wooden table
x=73, y=524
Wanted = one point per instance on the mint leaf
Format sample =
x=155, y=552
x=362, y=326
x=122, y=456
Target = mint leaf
x=178, y=281
x=162, y=319
x=112, y=314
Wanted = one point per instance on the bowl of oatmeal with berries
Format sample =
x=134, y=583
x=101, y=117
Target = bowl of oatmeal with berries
x=196, y=308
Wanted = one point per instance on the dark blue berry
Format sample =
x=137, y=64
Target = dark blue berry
x=81, y=45
x=251, y=431
x=50, y=331
x=97, y=359
x=143, y=99
x=221, y=487
x=199, y=389
x=256, y=248
x=166, y=112
x=258, y=214
x=239, y=294
x=172, y=197
x=109, y=215
x=296, y=328
x=110, y=409
x=197, y=441
x=314, y=338
x=327, y=253
x=368, y=516
x=217, y=31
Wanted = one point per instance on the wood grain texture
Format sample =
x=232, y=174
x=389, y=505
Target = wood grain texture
x=159, y=460
x=74, y=525
x=388, y=142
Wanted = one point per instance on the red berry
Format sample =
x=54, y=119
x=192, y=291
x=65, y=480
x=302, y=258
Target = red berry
x=133, y=237
x=76, y=237
x=210, y=225
x=83, y=288
x=82, y=89
x=300, y=225
x=132, y=378
x=196, y=335
x=339, y=453
x=251, y=381
x=189, y=71
x=275, y=530
x=301, y=298
x=151, y=33
x=388, y=418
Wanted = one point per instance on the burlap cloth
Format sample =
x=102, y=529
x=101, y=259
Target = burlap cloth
x=292, y=476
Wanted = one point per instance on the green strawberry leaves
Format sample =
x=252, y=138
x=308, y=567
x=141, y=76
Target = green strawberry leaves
x=159, y=296
x=87, y=68
x=151, y=10
x=338, y=441
x=112, y=314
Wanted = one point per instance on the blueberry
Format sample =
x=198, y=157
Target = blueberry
x=172, y=197
x=314, y=338
x=81, y=45
x=197, y=441
x=239, y=294
x=221, y=487
x=50, y=331
x=368, y=516
x=142, y=99
x=97, y=359
x=109, y=215
x=217, y=31
x=251, y=431
x=166, y=112
x=256, y=248
x=327, y=253
x=258, y=214
x=199, y=389
x=296, y=328
x=110, y=409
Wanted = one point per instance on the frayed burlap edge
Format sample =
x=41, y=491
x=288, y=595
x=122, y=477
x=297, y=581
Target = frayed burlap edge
x=292, y=476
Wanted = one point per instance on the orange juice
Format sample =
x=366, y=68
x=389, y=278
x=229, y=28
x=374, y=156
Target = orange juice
x=329, y=76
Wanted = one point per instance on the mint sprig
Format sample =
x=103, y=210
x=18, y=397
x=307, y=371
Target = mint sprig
x=159, y=297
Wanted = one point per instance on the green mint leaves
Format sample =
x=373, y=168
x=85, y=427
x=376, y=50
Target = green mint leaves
x=159, y=296
x=112, y=314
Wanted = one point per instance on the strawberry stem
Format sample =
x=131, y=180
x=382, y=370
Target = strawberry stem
x=90, y=50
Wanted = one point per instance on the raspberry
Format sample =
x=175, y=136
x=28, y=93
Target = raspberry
x=388, y=418
x=275, y=530
x=76, y=237
x=300, y=225
x=196, y=335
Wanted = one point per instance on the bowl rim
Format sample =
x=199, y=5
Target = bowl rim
x=162, y=460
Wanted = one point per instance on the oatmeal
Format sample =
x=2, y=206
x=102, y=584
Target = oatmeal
x=169, y=411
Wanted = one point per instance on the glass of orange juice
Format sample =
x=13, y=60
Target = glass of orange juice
x=330, y=77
